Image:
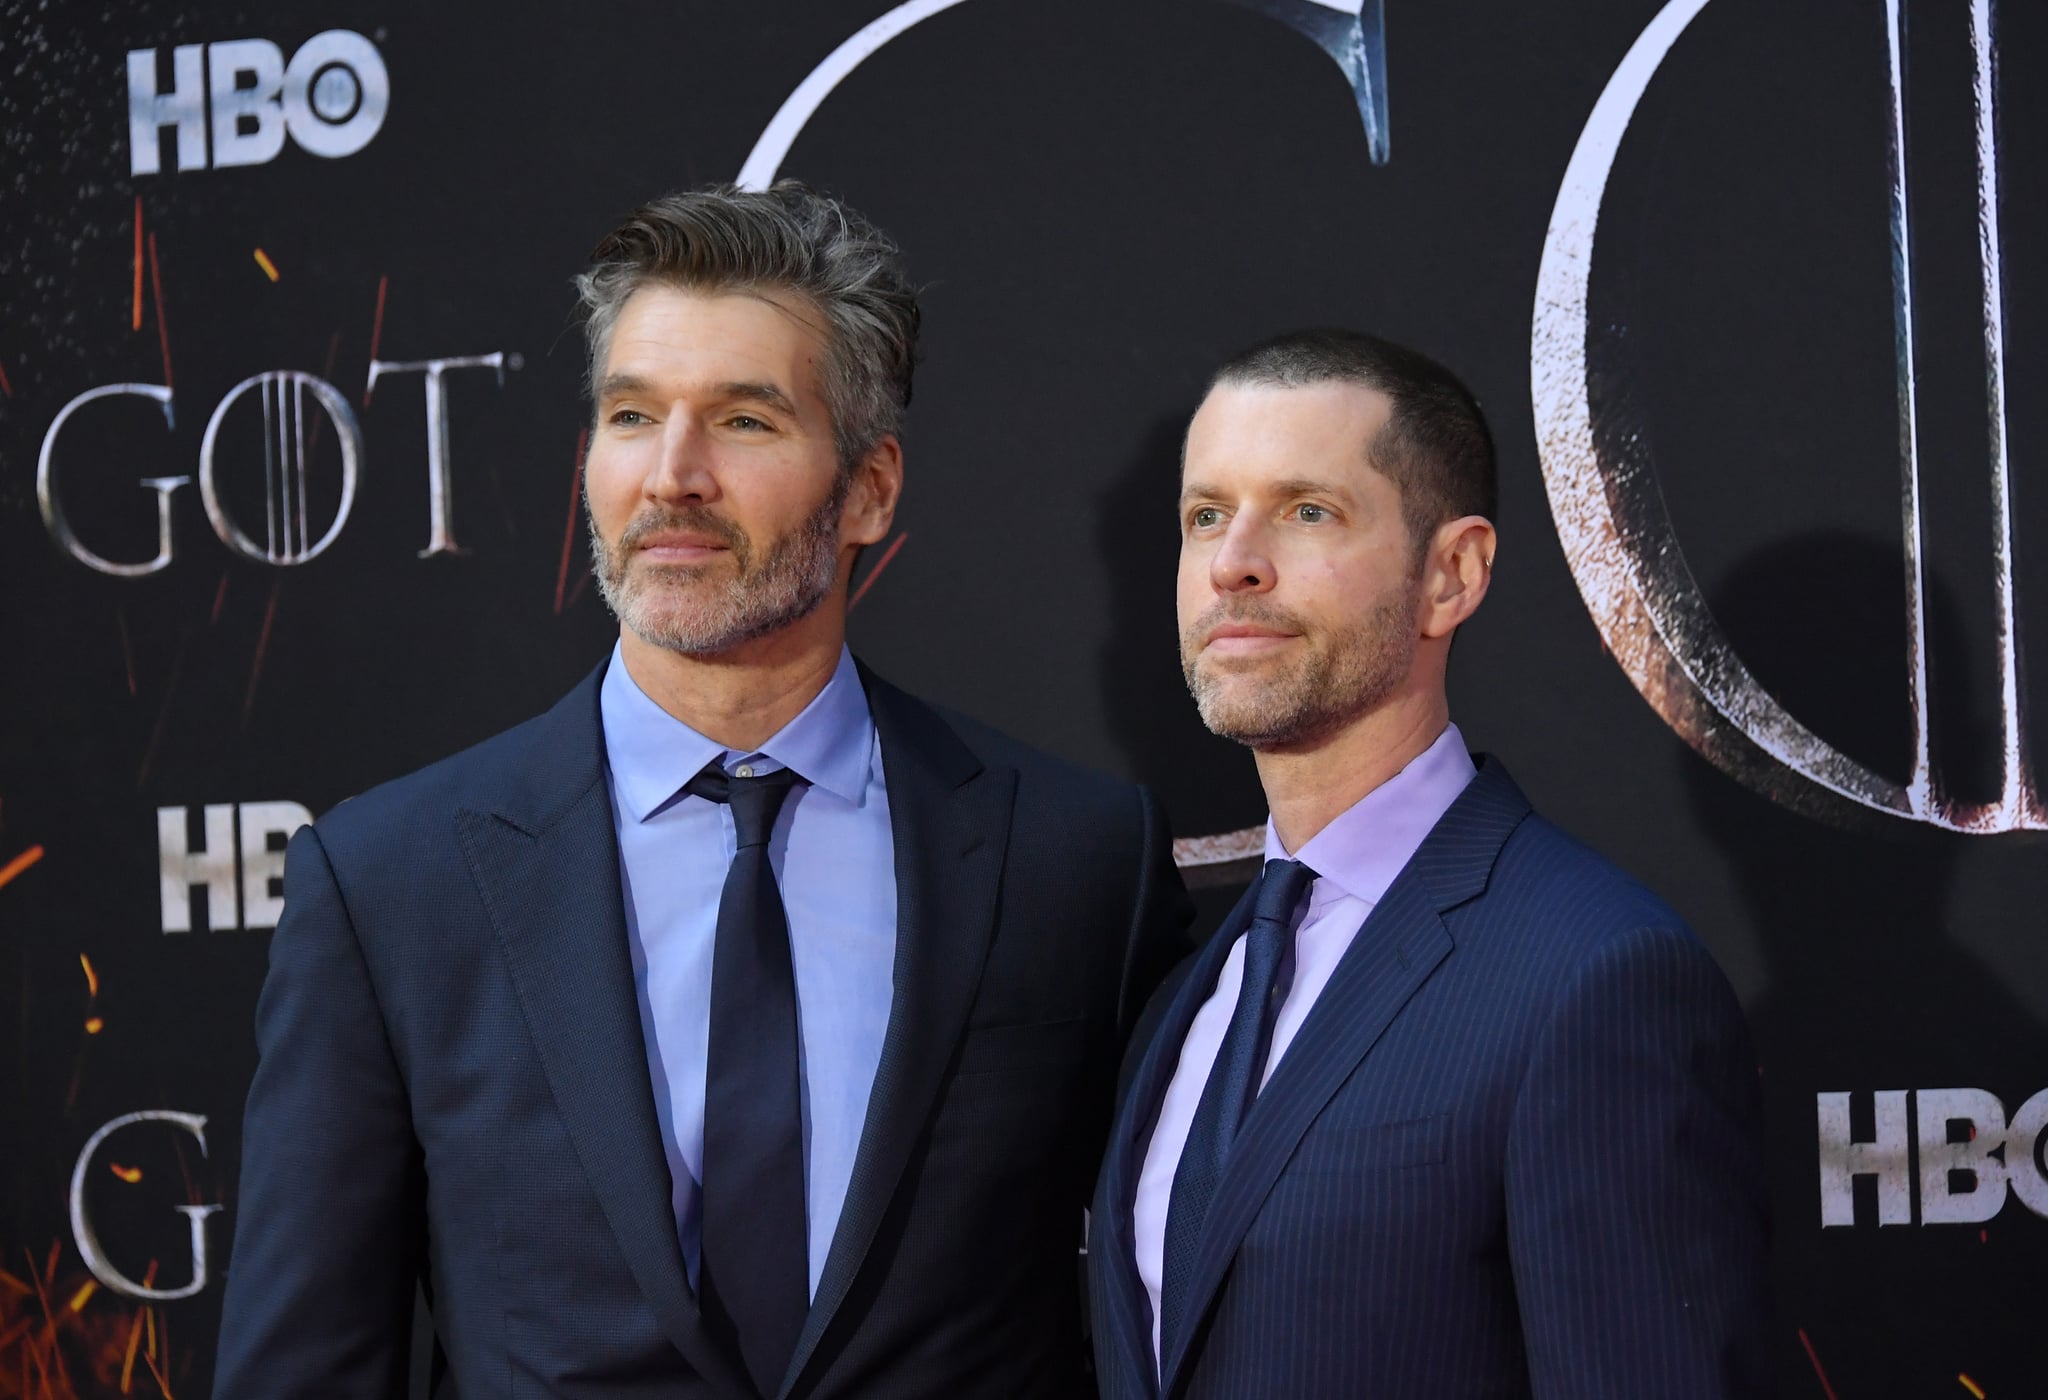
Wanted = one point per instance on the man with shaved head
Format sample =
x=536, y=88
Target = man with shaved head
x=1449, y=1106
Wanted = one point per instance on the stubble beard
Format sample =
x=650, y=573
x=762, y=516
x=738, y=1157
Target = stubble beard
x=1337, y=677
x=688, y=608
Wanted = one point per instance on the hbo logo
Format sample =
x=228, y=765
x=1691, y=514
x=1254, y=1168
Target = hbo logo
x=244, y=97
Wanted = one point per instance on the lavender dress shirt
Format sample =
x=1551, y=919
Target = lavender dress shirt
x=834, y=858
x=1356, y=858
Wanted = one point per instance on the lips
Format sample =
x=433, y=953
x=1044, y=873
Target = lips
x=681, y=546
x=682, y=538
x=1245, y=641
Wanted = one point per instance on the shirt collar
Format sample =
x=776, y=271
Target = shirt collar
x=652, y=753
x=1364, y=848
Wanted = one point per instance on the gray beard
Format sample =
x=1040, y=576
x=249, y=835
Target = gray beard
x=680, y=608
x=1350, y=674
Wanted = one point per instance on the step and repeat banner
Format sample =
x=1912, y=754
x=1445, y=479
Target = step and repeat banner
x=1754, y=293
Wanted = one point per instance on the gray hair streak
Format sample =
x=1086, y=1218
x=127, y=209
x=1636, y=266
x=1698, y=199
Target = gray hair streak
x=788, y=237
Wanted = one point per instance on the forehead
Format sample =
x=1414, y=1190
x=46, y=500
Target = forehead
x=1246, y=433
x=677, y=337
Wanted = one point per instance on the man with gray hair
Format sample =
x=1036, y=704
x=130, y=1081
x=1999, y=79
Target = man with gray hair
x=743, y=1026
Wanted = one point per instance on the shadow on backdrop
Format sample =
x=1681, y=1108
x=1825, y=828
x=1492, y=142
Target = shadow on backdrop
x=1868, y=988
x=1209, y=785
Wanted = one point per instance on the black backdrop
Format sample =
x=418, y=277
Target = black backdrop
x=1101, y=200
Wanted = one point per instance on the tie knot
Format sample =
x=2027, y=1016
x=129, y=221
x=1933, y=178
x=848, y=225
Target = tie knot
x=754, y=801
x=1281, y=887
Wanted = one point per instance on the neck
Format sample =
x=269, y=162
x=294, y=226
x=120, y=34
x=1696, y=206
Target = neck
x=742, y=698
x=1311, y=785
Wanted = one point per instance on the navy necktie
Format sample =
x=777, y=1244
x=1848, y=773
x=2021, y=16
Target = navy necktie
x=1233, y=1083
x=754, y=1272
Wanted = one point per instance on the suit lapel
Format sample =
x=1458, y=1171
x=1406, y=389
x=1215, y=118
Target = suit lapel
x=950, y=821
x=1110, y=1229
x=545, y=859
x=1396, y=950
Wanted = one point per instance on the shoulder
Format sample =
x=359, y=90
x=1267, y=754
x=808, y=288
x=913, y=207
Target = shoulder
x=1045, y=775
x=1081, y=849
x=1045, y=781
x=530, y=770
x=1073, y=817
x=1068, y=825
x=1545, y=874
x=1553, y=907
x=1569, y=928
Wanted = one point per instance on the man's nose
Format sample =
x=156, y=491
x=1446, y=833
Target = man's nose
x=684, y=468
x=1243, y=563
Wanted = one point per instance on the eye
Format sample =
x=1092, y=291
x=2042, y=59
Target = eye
x=628, y=418
x=746, y=423
x=1205, y=517
x=1309, y=514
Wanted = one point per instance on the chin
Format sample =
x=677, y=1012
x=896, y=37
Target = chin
x=1231, y=710
x=660, y=620
x=1245, y=681
x=651, y=577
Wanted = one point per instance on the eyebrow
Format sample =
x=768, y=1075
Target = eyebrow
x=614, y=386
x=1293, y=486
x=762, y=392
x=1308, y=486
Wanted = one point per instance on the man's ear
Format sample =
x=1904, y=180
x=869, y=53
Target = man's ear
x=1456, y=572
x=876, y=488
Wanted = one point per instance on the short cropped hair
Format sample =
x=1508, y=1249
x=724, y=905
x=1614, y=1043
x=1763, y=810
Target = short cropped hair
x=1435, y=447
x=788, y=238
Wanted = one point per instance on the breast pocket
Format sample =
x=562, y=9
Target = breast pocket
x=1360, y=1147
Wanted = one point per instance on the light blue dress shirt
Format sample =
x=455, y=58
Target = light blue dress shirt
x=834, y=859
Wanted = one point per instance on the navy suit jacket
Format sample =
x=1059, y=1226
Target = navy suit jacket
x=453, y=1087
x=1513, y=1151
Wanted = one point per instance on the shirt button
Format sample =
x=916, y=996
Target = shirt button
x=745, y=770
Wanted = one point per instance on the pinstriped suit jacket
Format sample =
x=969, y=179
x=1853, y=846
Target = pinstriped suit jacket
x=1514, y=1151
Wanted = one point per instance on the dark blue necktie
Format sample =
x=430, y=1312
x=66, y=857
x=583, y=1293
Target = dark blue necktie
x=1233, y=1083
x=754, y=1272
